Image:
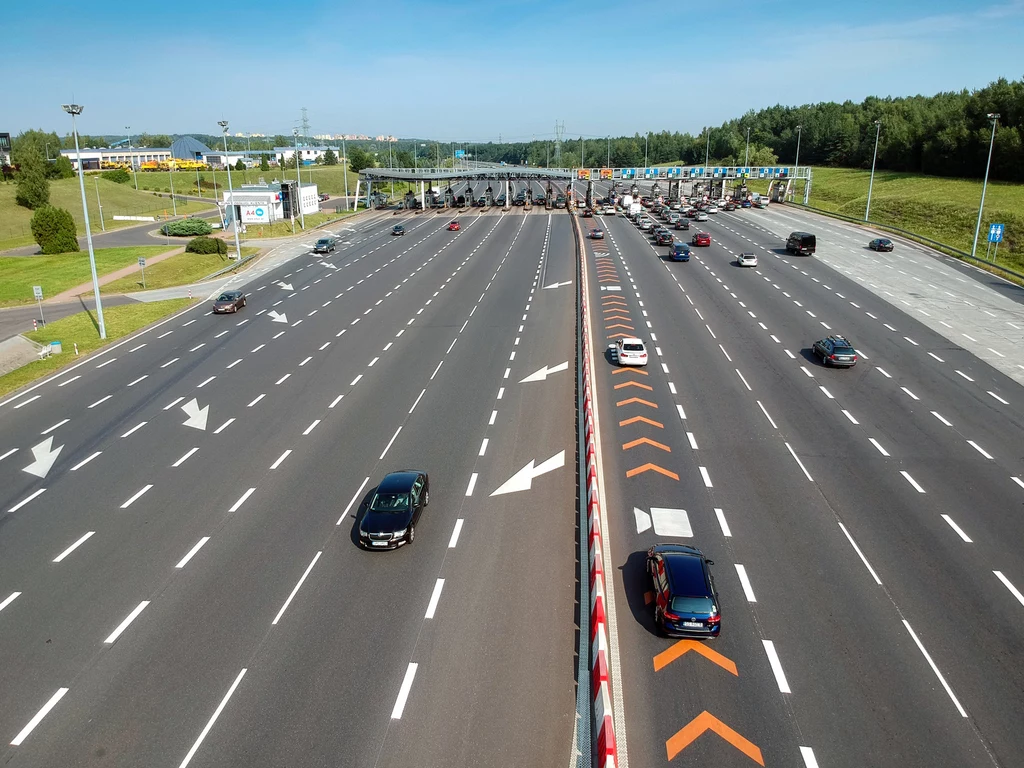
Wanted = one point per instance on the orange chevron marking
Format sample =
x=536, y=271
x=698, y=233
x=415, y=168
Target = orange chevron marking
x=648, y=467
x=636, y=419
x=619, y=325
x=641, y=371
x=619, y=335
x=683, y=647
x=635, y=400
x=705, y=721
x=645, y=441
x=625, y=384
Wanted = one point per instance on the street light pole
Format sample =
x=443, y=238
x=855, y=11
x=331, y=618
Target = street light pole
x=131, y=158
x=871, y=183
x=231, y=190
x=103, y=226
x=608, y=163
x=74, y=110
x=746, y=154
x=994, y=117
x=298, y=175
x=799, y=131
x=344, y=161
x=646, y=139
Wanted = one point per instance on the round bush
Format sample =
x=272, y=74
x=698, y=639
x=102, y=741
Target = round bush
x=118, y=175
x=206, y=245
x=54, y=230
x=189, y=227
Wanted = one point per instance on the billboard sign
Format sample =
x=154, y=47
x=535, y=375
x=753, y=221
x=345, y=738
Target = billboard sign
x=256, y=214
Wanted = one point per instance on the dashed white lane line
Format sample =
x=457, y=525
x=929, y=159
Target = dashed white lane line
x=706, y=477
x=748, y=589
x=281, y=458
x=912, y=481
x=107, y=362
x=999, y=575
x=776, y=665
x=434, y=598
x=912, y=395
x=958, y=529
x=241, y=500
x=403, y=692
x=726, y=531
x=878, y=445
x=256, y=399
x=86, y=460
x=207, y=381
x=312, y=426
x=213, y=719
x=185, y=458
x=99, y=402
x=173, y=403
x=483, y=447
x=38, y=717
x=454, y=540
x=48, y=430
x=766, y=415
x=295, y=591
x=797, y=458
x=935, y=669
x=883, y=372
x=172, y=361
x=65, y=383
x=808, y=755
x=997, y=397
x=282, y=379
x=9, y=599
x=60, y=558
x=112, y=637
x=232, y=365
x=223, y=426
x=472, y=484
x=1018, y=481
x=137, y=496
x=964, y=375
x=26, y=500
x=388, y=446
x=352, y=501
x=979, y=449
x=192, y=552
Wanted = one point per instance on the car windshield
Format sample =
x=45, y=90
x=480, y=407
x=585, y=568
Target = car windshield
x=692, y=605
x=633, y=347
x=390, y=502
x=884, y=242
x=226, y=297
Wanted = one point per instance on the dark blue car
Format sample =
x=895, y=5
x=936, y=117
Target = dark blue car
x=679, y=251
x=685, y=599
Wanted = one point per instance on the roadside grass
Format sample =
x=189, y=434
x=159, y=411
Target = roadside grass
x=117, y=199
x=80, y=328
x=329, y=179
x=58, y=273
x=284, y=228
x=182, y=269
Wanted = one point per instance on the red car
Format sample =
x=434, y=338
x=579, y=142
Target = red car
x=701, y=238
x=454, y=227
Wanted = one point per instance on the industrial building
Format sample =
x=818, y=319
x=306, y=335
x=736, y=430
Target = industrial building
x=269, y=203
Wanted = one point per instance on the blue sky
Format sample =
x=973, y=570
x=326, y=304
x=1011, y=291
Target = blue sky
x=471, y=71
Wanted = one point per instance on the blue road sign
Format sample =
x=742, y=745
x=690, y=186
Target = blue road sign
x=995, y=233
x=459, y=153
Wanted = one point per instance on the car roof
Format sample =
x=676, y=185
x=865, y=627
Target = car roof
x=685, y=572
x=397, y=482
x=230, y=293
x=630, y=340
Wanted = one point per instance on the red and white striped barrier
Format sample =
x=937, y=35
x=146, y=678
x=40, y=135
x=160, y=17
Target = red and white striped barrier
x=603, y=729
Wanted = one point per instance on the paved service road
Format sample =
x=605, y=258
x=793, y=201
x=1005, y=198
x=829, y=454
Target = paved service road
x=180, y=582
x=863, y=522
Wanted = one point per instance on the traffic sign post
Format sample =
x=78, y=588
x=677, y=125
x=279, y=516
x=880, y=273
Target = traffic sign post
x=142, y=263
x=995, y=235
x=37, y=293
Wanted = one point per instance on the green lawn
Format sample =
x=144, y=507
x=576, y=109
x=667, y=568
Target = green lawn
x=328, y=178
x=119, y=321
x=58, y=273
x=182, y=269
x=117, y=199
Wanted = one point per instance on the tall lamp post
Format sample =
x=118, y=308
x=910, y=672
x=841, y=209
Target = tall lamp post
x=298, y=175
x=75, y=110
x=994, y=117
x=646, y=140
x=131, y=157
x=344, y=161
x=99, y=203
x=871, y=183
x=799, y=133
x=608, y=162
x=746, y=154
x=231, y=190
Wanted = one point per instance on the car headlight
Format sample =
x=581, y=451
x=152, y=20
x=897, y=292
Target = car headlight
x=363, y=533
x=399, y=534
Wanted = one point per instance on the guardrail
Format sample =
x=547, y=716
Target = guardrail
x=602, y=734
x=963, y=255
x=229, y=267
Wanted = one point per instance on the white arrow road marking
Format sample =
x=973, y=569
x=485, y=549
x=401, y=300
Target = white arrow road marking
x=643, y=520
x=557, y=285
x=523, y=479
x=327, y=264
x=45, y=454
x=671, y=522
x=196, y=416
x=542, y=374
x=286, y=286
x=277, y=317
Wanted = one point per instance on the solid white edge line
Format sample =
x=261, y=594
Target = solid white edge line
x=454, y=540
x=192, y=552
x=355, y=496
x=999, y=575
x=23, y=734
x=802, y=467
x=212, y=720
x=748, y=588
x=296, y=589
x=860, y=554
x=71, y=549
x=434, y=598
x=959, y=531
x=776, y=665
x=112, y=637
x=403, y=692
x=935, y=669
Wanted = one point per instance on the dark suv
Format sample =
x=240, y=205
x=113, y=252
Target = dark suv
x=801, y=243
x=390, y=521
x=685, y=599
x=836, y=350
x=324, y=245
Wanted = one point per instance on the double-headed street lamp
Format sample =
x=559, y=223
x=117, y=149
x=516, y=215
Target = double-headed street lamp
x=231, y=190
x=799, y=131
x=75, y=110
x=746, y=154
x=994, y=117
x=298, y=175
x=871, y=183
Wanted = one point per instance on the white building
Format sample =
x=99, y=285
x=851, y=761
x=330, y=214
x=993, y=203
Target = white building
x=269, y=203
x=307, y=155
x=94, y=159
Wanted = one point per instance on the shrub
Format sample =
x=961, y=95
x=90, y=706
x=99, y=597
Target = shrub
x=117, y=175
x=54, y=230
x=63, y=169
x=206, y=245
x=189, y=227
x=33, y=189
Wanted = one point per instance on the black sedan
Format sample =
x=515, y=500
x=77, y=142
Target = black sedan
x=682, y=224
x=685, y=599
x=881, y=244
x=391, y=518
x=229, y=301
x=398, y=229
x=664, y=238
x=835, y=350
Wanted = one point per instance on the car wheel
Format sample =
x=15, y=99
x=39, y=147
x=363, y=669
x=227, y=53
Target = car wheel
x=243, y=302
x=426, y=498
x=659, y=623
x=412, y=533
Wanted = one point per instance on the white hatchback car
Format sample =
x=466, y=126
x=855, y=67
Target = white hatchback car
x=713, y=209
x=702, y=216
x=630, y=351
x=747, y=259
x=609, y=210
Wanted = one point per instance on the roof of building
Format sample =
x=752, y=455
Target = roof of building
x=187, y=148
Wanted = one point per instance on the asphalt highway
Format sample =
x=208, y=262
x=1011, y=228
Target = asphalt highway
x=181, y=583
x=863, y=522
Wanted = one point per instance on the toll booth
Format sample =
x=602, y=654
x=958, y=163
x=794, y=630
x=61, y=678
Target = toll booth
x=489, y=196
x=449, y=198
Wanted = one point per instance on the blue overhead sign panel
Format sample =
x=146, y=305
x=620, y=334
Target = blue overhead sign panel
x=459, y=153
x=628, y=173
x=995, y=233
